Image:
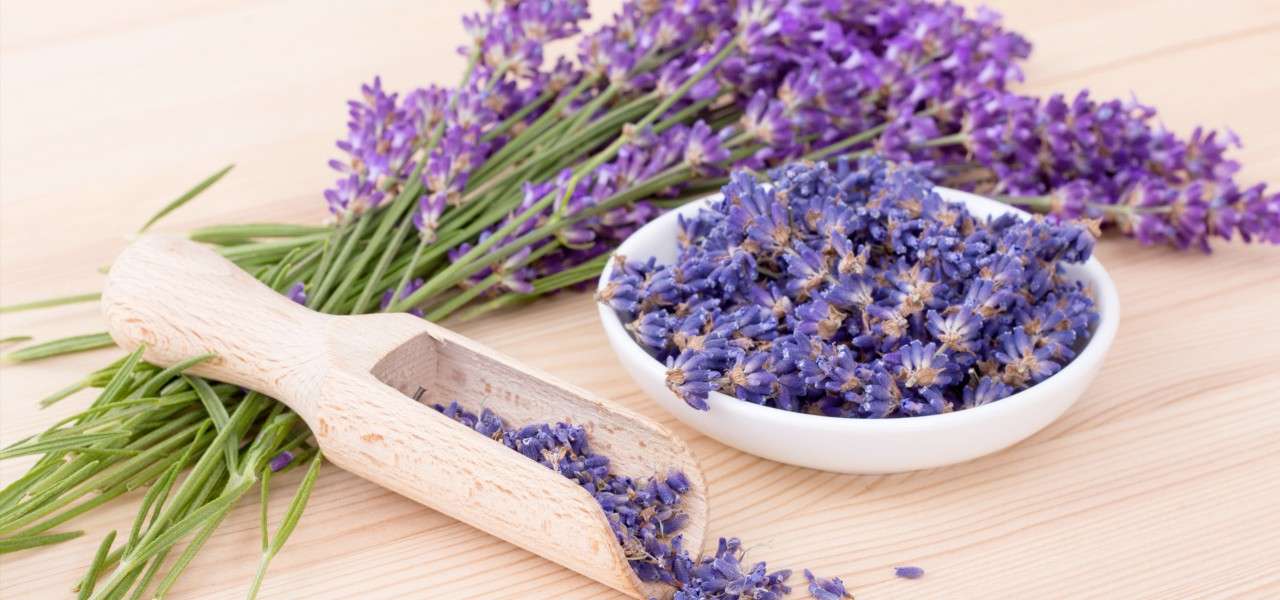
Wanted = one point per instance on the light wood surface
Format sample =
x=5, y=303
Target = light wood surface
x=1163, y=482
x=351, y=378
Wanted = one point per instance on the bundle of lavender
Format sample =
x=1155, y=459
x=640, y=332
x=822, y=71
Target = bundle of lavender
x=453, y=202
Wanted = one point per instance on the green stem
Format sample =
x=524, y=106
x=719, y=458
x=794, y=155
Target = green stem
x=229, y=235
x=408, y=272
x=454, y=272
x=460, y=269
x=946, y=140
x=50, y=302
x=68, y=345
x=567, y=278
x=469, y=294
x=364, y=303
x=519, y=115
x=501, y=158
x=394, y=214
x=330, y=277
x=853, y=140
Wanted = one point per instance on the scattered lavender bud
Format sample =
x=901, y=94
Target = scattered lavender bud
x=826, y=589
x=298, y=293
x=908, y=572
x=646, y=515
x=280, y=461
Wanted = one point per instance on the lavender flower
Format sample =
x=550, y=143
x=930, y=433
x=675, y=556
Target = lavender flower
x=713, y=86
x=413, y=285
x=1106, y=160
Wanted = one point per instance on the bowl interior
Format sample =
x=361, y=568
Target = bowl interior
x=657, y=239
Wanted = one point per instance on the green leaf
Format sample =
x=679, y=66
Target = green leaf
x=159, y=379
x=300, y=498
x=39, y=499
x=25, y=542
x=189, y=553
x=67, y=345
x=15, y=491
x=13, y=339
x=196, y=518
x=236, y=234
x=263, y=502
x=157, y=493
x=148, y=575
x=217, y=412
x=95, y=568
x=55, y=397
x=321, y=293
x=287, y=526
x=48, y=303
x=77, y=443
x=123, y=377
x=177, y=203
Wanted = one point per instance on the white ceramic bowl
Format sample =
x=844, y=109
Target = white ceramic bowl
x=866, y=445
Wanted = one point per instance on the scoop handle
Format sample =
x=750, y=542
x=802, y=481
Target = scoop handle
x=182, y=299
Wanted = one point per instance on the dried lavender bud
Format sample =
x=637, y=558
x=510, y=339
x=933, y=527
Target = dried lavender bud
x=826, y=589
x=280, y=461
x=646, y=515
x=854, y=290
x=908, y=572
x=298, y=293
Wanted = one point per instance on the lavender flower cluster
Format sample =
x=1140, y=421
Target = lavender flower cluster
x=757, y=84
x=645, y=515
x=1107, y=160
x=856, y=291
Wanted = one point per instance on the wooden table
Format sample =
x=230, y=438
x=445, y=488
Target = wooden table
x=1163, y=482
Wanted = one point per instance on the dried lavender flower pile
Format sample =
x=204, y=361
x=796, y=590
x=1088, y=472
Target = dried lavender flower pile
x=856, y=291
x=646, y=515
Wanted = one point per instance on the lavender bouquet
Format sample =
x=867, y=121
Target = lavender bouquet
x=516, y=182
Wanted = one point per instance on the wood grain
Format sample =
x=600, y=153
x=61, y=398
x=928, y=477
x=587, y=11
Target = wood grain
x=1161, y=483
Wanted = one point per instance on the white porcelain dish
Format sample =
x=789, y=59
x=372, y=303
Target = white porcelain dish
x=866, y=445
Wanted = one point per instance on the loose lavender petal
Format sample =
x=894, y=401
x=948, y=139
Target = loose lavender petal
x=826, y=589
x=908, y=572
x=280, y=461
x=298, y=293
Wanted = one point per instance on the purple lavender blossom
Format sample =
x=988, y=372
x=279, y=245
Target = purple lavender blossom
x=1107, y=160
x=912, y=79
x=408, y=290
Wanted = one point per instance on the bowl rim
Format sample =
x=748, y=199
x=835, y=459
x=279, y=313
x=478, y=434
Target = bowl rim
x=1092, y=272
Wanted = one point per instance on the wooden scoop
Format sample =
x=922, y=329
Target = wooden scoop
x=350, y=379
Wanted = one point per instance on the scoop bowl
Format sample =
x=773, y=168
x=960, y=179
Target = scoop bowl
x=866, y=446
